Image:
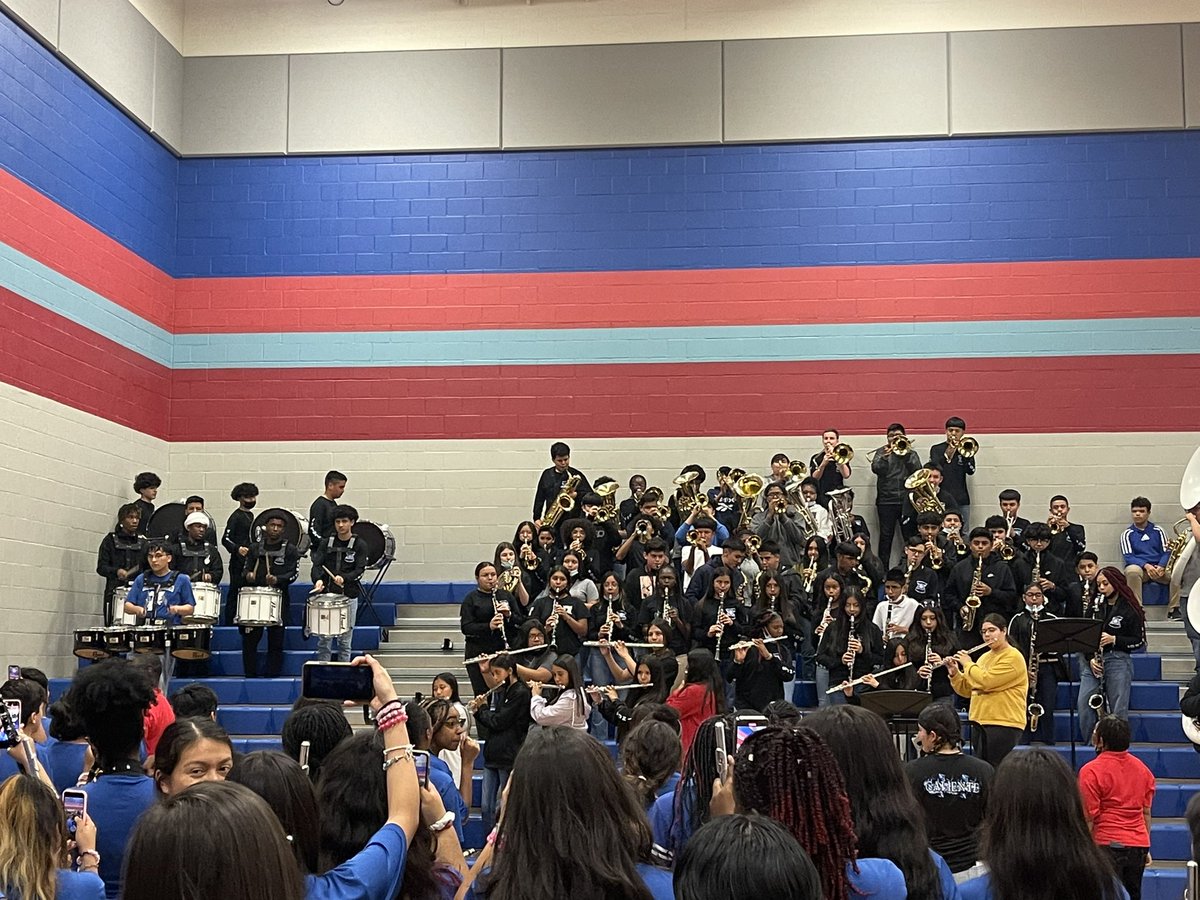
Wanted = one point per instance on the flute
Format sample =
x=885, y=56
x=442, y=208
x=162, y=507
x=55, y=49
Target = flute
x=599, y=688
x=741, y=645
x=483, y=656
x=614, y=643
x=899, y=668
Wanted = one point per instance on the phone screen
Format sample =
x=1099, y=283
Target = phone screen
x=14, y=673
x=337, y=681
x=746, y=726
x=10, y=724
x=421, y=761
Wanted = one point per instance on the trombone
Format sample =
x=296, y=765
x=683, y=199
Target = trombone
x=900, y=445
x=748, y=487
x=842, y=454
x=966, y=446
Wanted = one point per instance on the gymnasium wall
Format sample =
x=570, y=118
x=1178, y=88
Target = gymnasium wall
x=429, y=323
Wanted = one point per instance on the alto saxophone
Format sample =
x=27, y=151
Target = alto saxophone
x=1035, y=710
x=972, y=601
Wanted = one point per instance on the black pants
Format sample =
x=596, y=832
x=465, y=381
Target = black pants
x=1130, y=863
x=250, y=639
x=1046, y=694
x=231, y=596
x=889, y=516
x=998, y=742
x=478, y=685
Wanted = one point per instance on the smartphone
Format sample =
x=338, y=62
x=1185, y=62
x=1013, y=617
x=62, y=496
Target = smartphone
x=10, y=725
x=722, y=754
x=421, y=761
x=14, y=673
x=305, y=747
x=336, y=681
x=747, y=725
x=74, y=803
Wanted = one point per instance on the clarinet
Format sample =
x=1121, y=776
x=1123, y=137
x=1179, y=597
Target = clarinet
x=853, y=653
x=496, y=612
x=928, y=652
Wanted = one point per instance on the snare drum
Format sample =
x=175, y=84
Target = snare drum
x=260, y=607
x=150, y=639
x=118, y=639
x=208, y=603
x=119, y=615
x=191, y=642
x=328, y=615
x=89, y=643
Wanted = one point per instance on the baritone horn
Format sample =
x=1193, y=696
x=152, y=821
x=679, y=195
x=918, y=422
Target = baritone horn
x=1189, y=499
x=842, y=454
x=797, y=469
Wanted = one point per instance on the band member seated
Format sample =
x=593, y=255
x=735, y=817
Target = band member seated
x=983, y=575
x=826, y=471
x=161, y=596
x=1003, y=542
x=695, y=538
x=199, y=558
x=1022, y=632
x=146, y=486
x=630, y=506
x=338, y=564
x=909, y=511
x=780, y=467
x=894, y=617
x=956, y=468
x=891, y=470
x=271, y=562
x=236, y=540
x=641, y=583
x=845, y=565
x=813, y=514
x=320, y=514
x=780, y=524
x=121, y=557
x=553, y=480
x=858, y=525
x=488, y=620
x=924, y=582
x=1108, y=675
x=1010, y=509
x=1038, y=565
x=1144, y=547
x=732, y=554
x=1068, y=538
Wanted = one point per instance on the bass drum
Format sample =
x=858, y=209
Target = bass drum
x=378, y=540
x=167, y=522
x=295, y=527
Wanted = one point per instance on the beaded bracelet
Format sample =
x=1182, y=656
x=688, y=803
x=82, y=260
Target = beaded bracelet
x=392, y=719
x=388, y=707
x=404, y=751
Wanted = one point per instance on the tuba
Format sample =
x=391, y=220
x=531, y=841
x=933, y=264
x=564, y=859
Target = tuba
x=608, y=494
x=967, y=446
x=843, y=524
x=1189, y=499
x=924, y=496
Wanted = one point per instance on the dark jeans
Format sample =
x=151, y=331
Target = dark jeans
x=889, y=517
x=998, y=742
x=1130, y=863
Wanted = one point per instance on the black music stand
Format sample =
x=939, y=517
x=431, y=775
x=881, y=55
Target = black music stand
x=1067, y=636
x=899, y=709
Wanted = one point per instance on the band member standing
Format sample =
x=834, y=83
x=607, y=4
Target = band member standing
x=272, y=562
x=725, y=504
x=909, y=510
x=641, y=584
x=955, y=467
x=929, y=641
x=236, y=540
x=1067, y=539
x=1010, y=509
x=1109, y=673
x=552, y=480
x=199, y=558
x=1038, y=565
x=997, y=685
x=891, y=470
x=628, y=509
x=829, y=474
x=780, y=525
x=1022, y=633
x=320, y=514
x=813, y=509
x=956, y=545
x=161, y=595
x=633, y=549
x=488, y=620
x=985, y=575
x=851, y=646
x=146, y=486
x=695, y=538
x=1144, y=547
x=122, y=556
x=338, y=566
x=732, y=554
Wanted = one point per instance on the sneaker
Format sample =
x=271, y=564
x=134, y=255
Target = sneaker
x=1174, y=614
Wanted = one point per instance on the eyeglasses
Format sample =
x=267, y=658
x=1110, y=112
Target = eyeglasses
x=452, y=723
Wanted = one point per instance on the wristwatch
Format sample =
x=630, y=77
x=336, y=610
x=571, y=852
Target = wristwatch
x=443, y=823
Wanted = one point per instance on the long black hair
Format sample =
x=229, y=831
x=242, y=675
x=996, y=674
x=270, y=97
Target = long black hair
x=745, y=856
x=1035, y=823
x=658, y=678
x=279, y=780
x=887, y=818
x=595, y=838
x=178, y=737
x=568, y=664
x=693, y=791
x=702, y=669
x=944, y=642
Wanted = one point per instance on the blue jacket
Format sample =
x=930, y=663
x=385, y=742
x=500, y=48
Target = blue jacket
x=1144, y=546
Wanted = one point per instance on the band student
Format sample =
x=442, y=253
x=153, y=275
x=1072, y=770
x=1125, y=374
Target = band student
x=1044, y=674
x=1144, y=547
x=1015, y=523
x=1068, y=539
x=121, y=557
x=338, y=566
x=236, y=541
x=146, y=486
x=271, y=562
x=488, y=619
x=891, y=469
x=1038, y=565
x=161, y=596
x=956, y=467
x=997, y=685
x=828, y=472
x=1106, y=678
x=553, y=480
x=321, y=513
x=199, y=559
x=985, y=576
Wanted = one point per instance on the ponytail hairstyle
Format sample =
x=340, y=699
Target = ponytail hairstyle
x=650, y=755
x=567, y=663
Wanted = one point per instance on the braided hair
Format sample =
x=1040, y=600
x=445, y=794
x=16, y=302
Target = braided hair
x=789, y=775
x=693, y=792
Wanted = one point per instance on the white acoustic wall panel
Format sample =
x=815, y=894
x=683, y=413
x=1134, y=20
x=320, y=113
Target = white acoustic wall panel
x=625, y=94
x=1191, y=74
x=1066, y=79
x=168, y=93
x=114, y=45
x=419, y=100
x=40, y=16
x=837, y=87
x=235, y=104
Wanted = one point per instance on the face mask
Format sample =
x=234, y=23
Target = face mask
x=505, y=564
x=251, y=504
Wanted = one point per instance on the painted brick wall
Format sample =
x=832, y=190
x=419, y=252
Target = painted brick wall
x=65, y=474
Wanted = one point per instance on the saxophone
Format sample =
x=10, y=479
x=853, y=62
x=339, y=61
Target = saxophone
x=1035, y=710
x=972, y=601
x=563, y=503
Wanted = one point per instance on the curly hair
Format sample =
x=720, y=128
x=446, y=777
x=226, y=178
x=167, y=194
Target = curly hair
x=111, y=698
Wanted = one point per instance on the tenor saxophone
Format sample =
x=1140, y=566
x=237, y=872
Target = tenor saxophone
x=972, y=601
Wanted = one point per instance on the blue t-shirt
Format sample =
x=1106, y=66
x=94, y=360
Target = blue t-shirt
x=64, y=762
x=879, y=879
x=981, y=889
x=443, y=782
x=78, y=886
x=158, y=592
x=374, y=873
x=114, y=804
x=8, y=767
x=946, y=877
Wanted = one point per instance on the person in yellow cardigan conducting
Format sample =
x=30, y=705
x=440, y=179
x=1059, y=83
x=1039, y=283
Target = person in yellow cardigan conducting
x=997, y=685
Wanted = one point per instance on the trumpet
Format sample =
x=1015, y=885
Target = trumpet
x=753, y=542
x=529, y=557
x=1055, y=523
x=842, y=454
x=693, y=538
x=967, y=446
x=899, y=668
x=643, y=531
x=900, y=445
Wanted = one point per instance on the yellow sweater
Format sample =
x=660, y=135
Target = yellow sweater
x=998, y=686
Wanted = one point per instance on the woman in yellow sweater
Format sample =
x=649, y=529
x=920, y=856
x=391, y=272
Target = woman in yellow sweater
x=997, y=685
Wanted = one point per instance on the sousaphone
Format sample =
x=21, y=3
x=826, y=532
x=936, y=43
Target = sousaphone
x=1189, y=498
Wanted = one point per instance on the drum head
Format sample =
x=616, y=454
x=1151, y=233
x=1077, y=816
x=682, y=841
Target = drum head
x=292, y=531
x=167, y=521
x=372, y=538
